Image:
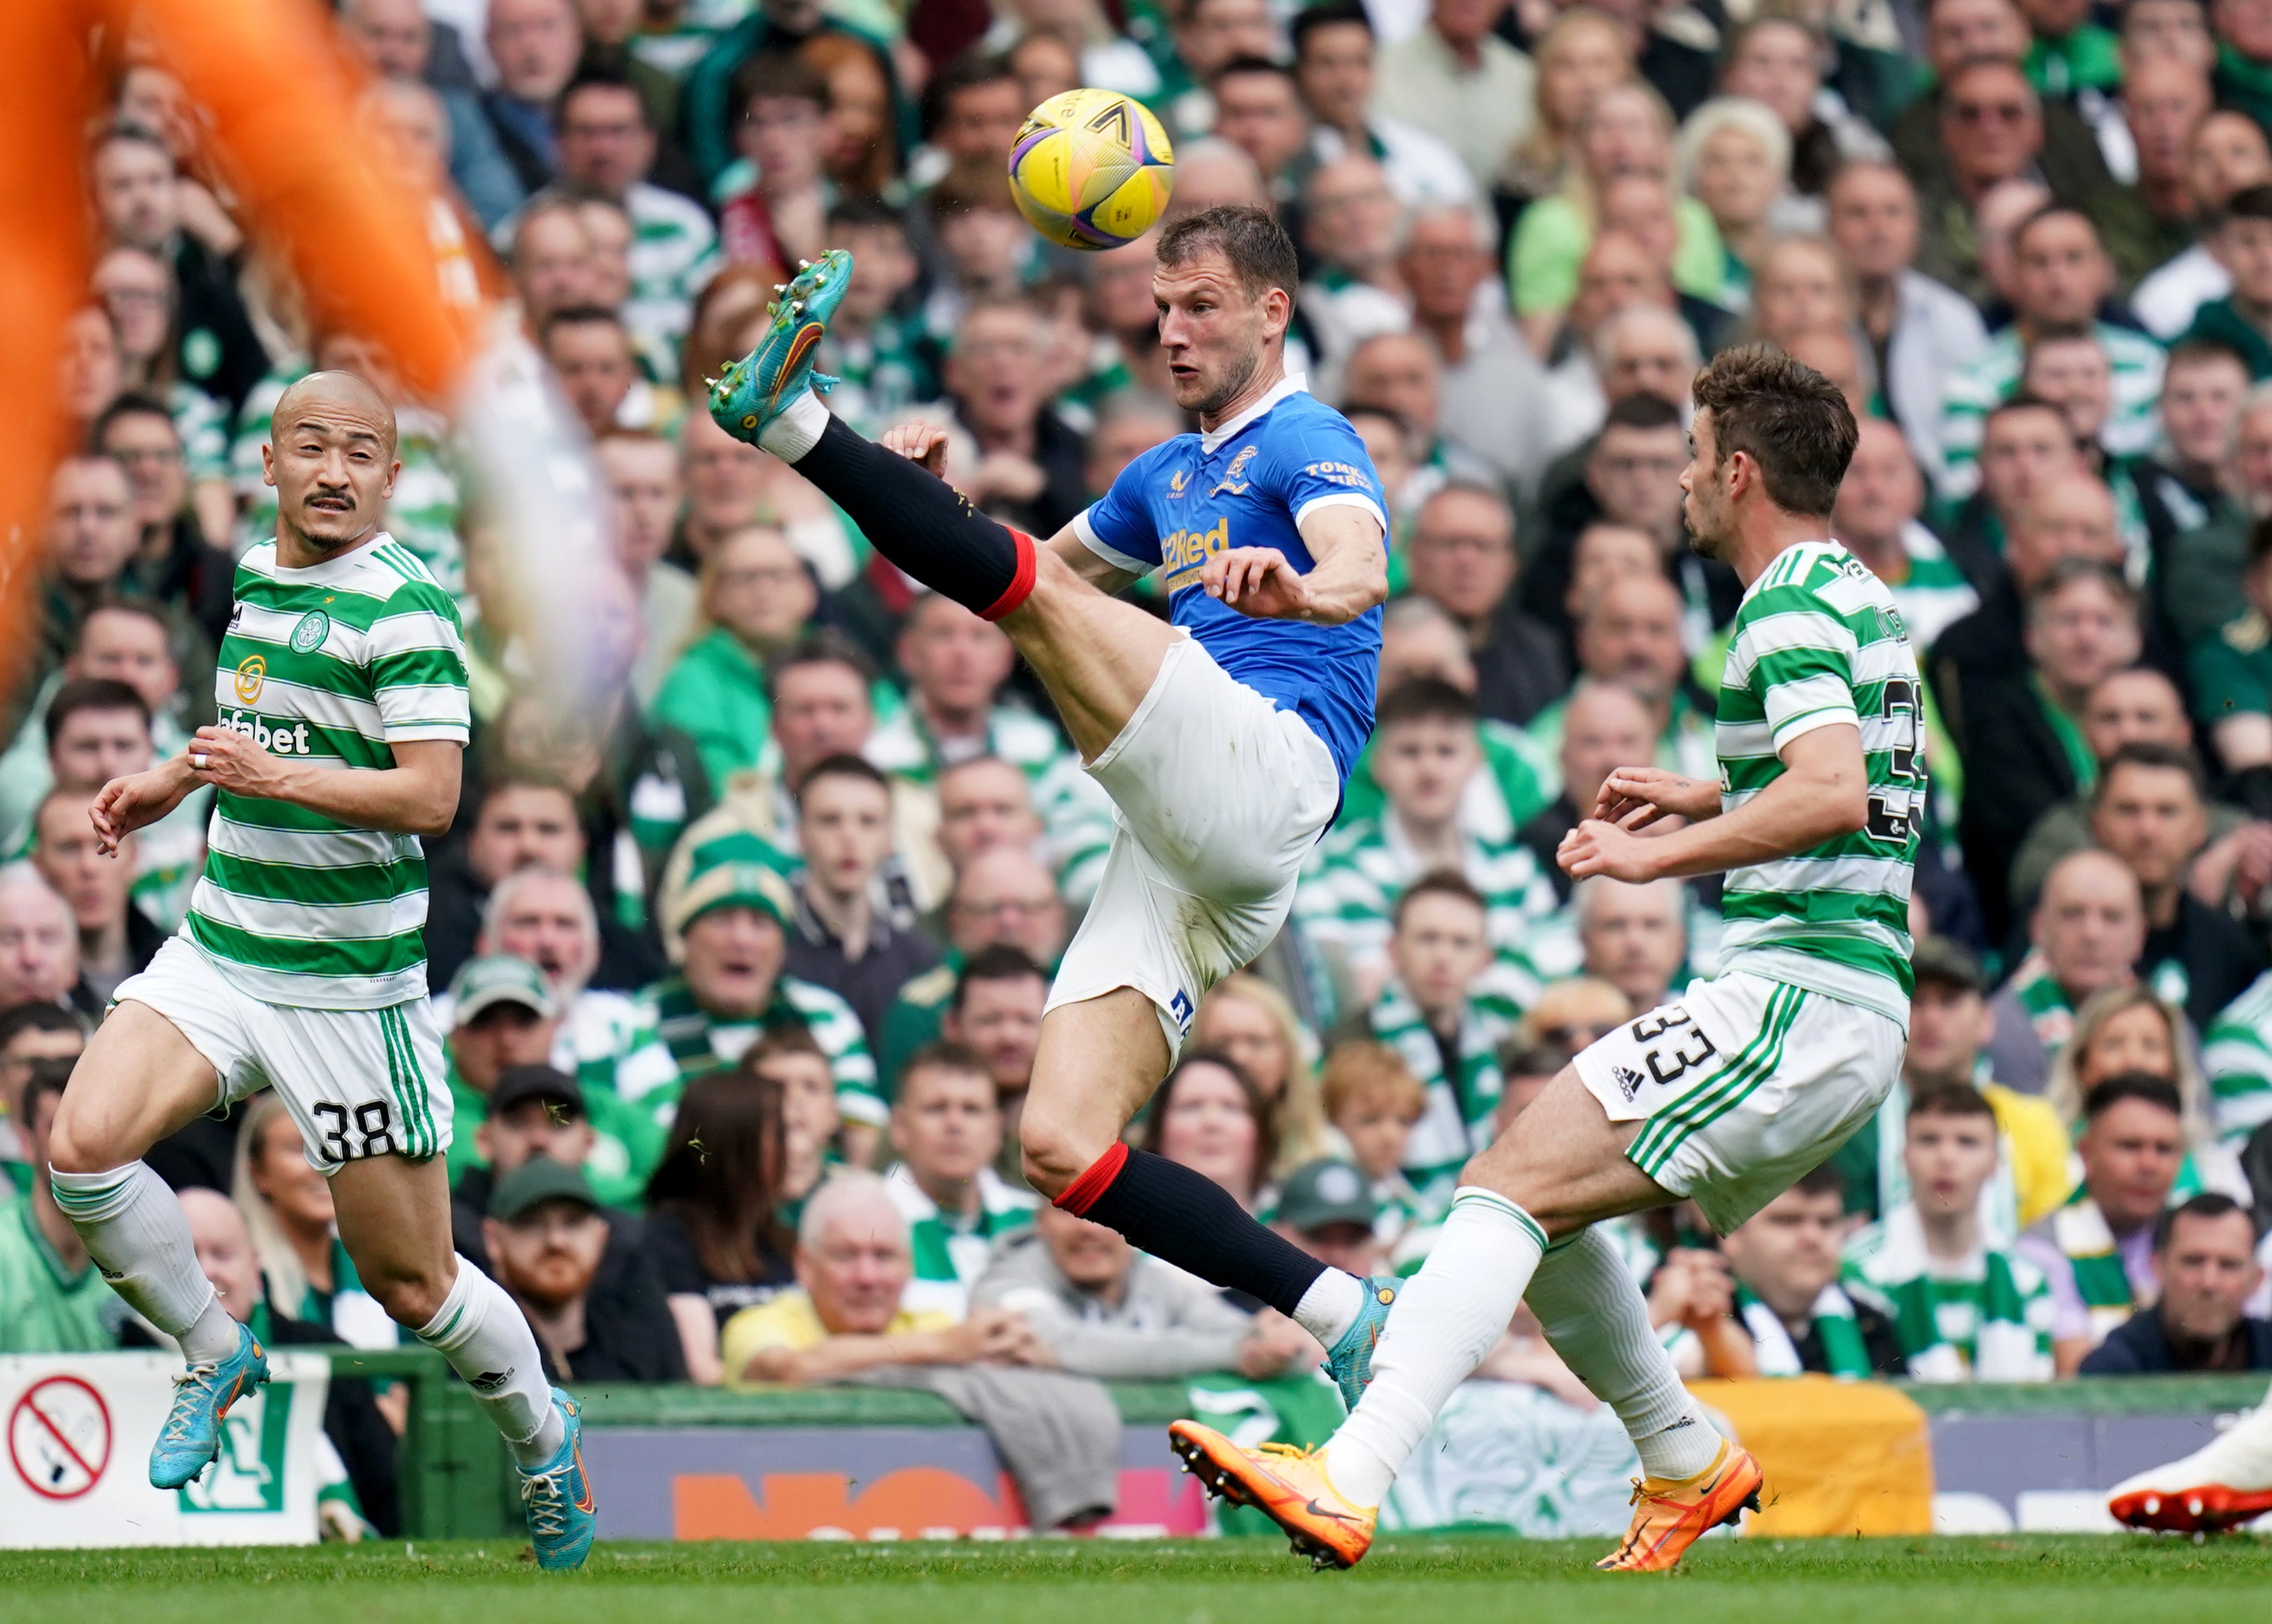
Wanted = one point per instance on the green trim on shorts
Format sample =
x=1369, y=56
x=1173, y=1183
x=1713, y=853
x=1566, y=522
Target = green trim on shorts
x=413, y=1142
x=1670, y=1128
x=421, y=1094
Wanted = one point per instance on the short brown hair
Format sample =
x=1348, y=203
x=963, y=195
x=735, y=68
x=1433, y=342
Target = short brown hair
x=1786, y=417
x=1363, y=1069
x=1260, y=253
x=1950, y=1100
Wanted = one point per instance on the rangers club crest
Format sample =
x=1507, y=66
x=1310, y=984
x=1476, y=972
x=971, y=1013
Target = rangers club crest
x=1231, y=480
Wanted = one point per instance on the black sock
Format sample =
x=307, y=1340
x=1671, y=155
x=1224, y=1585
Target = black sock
x=1186, y=1218
x=922, y=523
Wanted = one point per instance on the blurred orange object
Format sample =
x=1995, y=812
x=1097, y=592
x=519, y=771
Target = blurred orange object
x=282, y=100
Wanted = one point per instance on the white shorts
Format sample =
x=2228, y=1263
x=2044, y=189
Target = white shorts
x=1743, y=1084
x=1218, y=796
x=360, y=1082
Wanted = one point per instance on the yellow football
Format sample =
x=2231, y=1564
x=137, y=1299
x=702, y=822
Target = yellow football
x=1091, y=169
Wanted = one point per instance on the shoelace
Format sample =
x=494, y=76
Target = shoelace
x=1288, y=1451
x=191, y=1383
x=545, y=1494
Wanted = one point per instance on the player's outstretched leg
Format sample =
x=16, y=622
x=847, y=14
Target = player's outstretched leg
x=1593, y=1315
x=139, y=1080
x=1449, y=1316
x=393, y=1219
x=913, y=517
x=2224, y=1484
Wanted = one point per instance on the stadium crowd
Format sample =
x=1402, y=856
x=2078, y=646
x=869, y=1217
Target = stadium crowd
x=743, y=976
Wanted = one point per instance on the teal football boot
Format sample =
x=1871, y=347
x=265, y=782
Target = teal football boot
x=557, y=1496
x=756, y=389
x=1349, y=1361
x=190, y=1438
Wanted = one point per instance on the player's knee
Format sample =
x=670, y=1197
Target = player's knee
x=411, y=1297
x=77, y=1142
x=1052, y=1153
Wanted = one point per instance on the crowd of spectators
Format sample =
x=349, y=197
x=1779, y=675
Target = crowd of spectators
x=743, y=970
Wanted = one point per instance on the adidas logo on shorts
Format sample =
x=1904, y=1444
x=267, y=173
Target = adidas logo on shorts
x=1629, y=1082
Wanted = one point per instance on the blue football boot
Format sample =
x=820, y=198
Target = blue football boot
x=190, y=1438
x=1349, y=1361
x=557, y=1496
x=756, y=389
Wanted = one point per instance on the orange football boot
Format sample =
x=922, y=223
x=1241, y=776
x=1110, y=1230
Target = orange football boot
x=1287, y=1485
x=1669, y=1517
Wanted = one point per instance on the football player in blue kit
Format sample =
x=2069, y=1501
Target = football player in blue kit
x=1223, y=739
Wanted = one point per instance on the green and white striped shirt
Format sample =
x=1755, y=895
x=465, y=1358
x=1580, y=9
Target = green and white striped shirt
x=1458, y=1119
x=950, y=1253
x=700, y=1043
x=674, y=254
x=1076, y=814
x=2236, y=1054
x=337, y=664
x=1985, y=1318
x=1518, y=779
x=1818, y=641
x=2132, y=427
x=1348, y=891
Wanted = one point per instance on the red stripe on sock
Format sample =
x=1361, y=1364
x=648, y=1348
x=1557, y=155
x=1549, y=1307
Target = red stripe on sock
x=1081, y=1193
x=1021, y=584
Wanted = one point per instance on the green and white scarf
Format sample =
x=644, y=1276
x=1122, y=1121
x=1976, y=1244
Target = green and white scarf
x=1836, y=1327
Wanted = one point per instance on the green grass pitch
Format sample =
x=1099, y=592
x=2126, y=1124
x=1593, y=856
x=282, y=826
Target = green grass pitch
x=1442, y=1579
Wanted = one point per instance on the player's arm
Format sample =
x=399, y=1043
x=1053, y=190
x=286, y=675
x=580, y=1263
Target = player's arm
x=418, y=794
x=1822, y=793
x=1350, y=572
x=138, y=800
x=1091, y=565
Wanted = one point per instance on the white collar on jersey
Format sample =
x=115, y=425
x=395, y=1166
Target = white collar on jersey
x=1215, y=439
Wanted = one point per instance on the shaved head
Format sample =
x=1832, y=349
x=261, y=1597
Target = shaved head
x=340, y=398
x=331, y=456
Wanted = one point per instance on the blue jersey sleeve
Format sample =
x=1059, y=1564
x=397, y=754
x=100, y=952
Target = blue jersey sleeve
x=1118, y=528
x=1320, y=462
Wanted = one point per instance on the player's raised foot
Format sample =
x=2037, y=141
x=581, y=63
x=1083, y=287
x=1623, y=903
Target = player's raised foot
x=557, y=1496
x=1288, y=1485
x=1349, y=1361
x=2224, y=1484
x=756, y=389
x=190, y=1437
x=1669, y=1517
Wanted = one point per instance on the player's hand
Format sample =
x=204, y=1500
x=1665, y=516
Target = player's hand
x=1634, y=798
x=921, y=442
x=1599, y=846
x=1258, y=581
x=135, y=801
x=231, y=761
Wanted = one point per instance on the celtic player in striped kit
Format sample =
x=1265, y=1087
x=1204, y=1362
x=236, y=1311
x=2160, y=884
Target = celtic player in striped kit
x=301, y=966
x=1728, y=1094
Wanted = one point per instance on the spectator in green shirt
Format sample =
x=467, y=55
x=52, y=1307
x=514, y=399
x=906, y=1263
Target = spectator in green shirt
x=52, y=1298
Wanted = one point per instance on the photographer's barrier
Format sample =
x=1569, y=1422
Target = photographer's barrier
x=866, y=1463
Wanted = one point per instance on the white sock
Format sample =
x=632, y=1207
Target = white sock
x=1596, y=1319
x=1330, y=1307
x=480, y=1330
x=132, y=1226
x=797, y=428
x=1448, y=1316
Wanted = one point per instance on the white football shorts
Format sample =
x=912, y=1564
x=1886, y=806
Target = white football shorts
x=1742, y=1084
x=1218, y=796
x=360, y=1082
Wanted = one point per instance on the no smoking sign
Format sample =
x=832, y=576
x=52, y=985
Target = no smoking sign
x=59, y=1437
